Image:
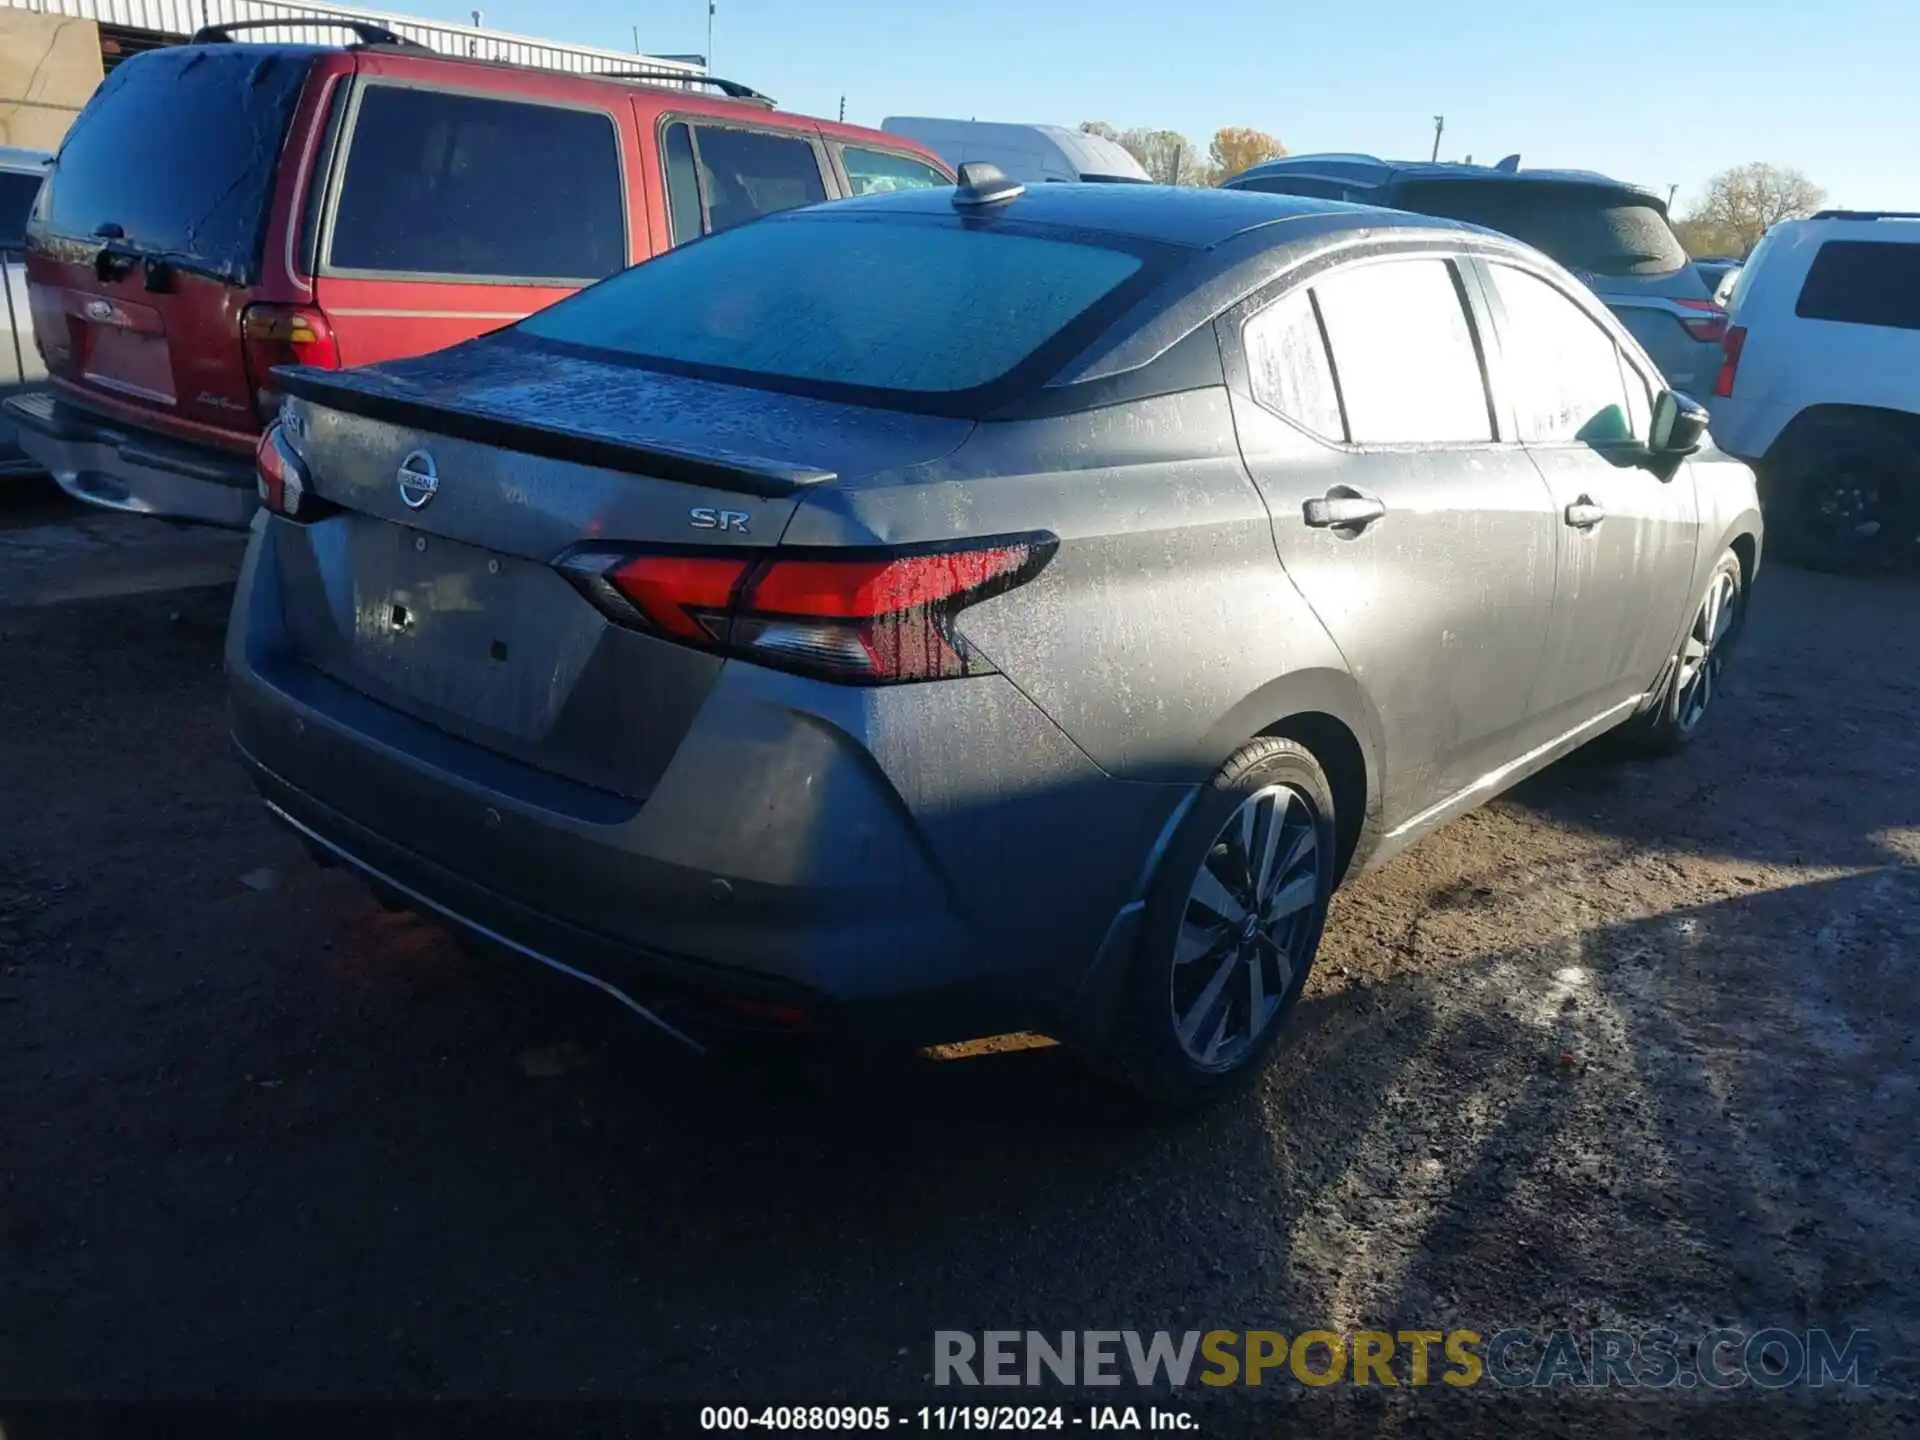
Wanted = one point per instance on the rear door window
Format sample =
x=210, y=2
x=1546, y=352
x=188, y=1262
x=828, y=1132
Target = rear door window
x=1863, y=282
x=177, y=153
x=1568, y=376
x=1404, y=354
x=874, y=172
x=439, y=184
x=738, y=175
x=1591, y=228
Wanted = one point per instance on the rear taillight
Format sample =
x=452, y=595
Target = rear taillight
x=284, y=335
x=1731, y=344
x=1711, y=326
x=863, y=619
x=282, y=475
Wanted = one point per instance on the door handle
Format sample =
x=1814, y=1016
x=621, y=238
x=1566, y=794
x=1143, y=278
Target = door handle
x=1349, y=511
x=1583, y=514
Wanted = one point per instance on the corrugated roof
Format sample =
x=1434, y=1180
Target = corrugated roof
x=183, y=17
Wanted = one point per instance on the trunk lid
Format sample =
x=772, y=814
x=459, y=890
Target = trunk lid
x=147, y=235
x=447, y=605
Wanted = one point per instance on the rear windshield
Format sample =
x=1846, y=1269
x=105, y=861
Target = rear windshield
x=903, y=306
x=16, y=200
x=1584, y=227
x=178, y=149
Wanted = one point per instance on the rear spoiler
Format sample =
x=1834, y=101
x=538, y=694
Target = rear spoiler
x=715, y=469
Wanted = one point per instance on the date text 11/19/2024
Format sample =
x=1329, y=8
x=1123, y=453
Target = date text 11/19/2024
x=811, y=1419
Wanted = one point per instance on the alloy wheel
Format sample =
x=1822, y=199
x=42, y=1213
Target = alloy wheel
x=1249, y=927
x=1705, y=651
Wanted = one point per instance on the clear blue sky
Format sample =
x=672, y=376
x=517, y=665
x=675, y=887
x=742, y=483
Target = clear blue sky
x=1661, y=93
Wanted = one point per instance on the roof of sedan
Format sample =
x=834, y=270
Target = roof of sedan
x=1176, y=215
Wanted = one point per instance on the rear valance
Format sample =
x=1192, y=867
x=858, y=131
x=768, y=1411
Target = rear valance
x=693, y=465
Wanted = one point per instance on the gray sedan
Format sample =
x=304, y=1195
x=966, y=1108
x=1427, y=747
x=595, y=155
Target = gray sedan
x=969, y=610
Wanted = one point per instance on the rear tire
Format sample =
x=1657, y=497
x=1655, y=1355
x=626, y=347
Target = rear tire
x=1694, y=675
x=1231, y=928
x=1846, y=499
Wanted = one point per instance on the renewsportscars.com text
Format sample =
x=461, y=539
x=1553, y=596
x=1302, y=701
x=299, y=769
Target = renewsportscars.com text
x=1656, y=1359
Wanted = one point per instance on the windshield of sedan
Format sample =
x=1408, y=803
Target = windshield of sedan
x=902, y=305
x=1584, y=227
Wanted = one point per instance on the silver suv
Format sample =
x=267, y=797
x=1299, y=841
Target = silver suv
x=1614, y=236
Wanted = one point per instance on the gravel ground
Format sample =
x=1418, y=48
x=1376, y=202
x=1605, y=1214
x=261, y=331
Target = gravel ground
x=1633, y=1046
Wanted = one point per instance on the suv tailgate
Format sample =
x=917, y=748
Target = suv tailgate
x=148, y=234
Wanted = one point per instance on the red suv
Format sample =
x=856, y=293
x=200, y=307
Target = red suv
x=222, y=208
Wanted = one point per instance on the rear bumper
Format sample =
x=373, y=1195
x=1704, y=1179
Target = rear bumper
x=687, y=999
x=120, y=467
x=927, y=866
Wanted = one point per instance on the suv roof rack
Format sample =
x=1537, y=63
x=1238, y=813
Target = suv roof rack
x=1865, y=215
x=732, y=89
x=365, y=31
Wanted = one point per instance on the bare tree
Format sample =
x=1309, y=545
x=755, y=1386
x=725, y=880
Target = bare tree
x=1739, y=205
x=1167, y=156
x=1100, y=128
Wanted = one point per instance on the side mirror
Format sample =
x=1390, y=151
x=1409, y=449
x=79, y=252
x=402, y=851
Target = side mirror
x=1679, y=424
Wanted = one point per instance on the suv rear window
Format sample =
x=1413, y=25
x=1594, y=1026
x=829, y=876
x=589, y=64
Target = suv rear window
x=178, y=150
x=719, y=176
x=1863, y=282
x=910, y=306
x=444, y=184
x=16, y=201
x=1584, y=227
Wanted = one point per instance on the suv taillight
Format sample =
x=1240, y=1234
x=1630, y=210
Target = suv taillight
x=859, y=619
x=1711, y=327
x=1731, y=344
x=283, y=335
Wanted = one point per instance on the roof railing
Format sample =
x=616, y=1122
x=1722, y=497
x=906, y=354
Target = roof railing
x=365, y=31
x=1865, y=215
x=732, y=89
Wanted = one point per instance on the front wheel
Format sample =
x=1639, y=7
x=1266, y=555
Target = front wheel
x=1231, y=929
x=1694, y=676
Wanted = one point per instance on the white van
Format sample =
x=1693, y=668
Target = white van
x=1030, y=154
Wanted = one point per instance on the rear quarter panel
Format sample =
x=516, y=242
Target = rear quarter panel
x=1164, y=633
x=1160, y=638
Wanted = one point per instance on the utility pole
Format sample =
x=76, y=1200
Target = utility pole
x=1439, y=125
x=712, y=5
x=1672, y=190
x=636, y=39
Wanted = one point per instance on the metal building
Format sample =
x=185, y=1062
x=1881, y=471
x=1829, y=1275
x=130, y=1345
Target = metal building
x=130, y=26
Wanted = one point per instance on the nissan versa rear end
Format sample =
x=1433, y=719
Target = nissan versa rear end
x=623, y=648
x=873, y=618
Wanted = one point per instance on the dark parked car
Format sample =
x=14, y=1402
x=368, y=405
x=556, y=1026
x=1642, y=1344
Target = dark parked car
x=222, y=207
x=1614, y=236
x=943, y=613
